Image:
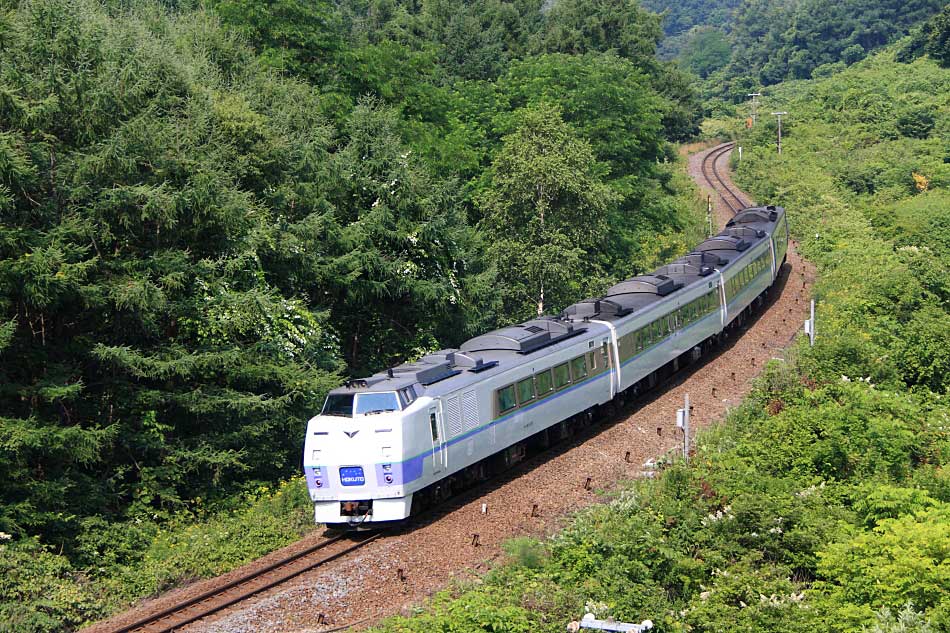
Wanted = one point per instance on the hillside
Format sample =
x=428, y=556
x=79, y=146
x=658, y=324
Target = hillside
x=822, y=503
x=740, y=47
x=212, y=215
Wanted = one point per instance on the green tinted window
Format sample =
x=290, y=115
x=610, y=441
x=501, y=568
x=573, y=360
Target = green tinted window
x=543, y=382
x=562, y=375
x=506, y=399
x=579, y=368
x=525, y=390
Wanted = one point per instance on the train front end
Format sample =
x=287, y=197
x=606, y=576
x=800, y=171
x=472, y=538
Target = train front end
x=353, y=456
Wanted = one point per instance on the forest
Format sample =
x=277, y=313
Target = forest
x=741, y=46
x=212, y=214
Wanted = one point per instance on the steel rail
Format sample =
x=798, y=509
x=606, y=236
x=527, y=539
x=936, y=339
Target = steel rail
x=710, y=171
x=149, y=623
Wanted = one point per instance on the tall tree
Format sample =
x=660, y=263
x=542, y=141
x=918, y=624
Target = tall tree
x=388, y=257
x=545, y=213
x=938, y=37
x=581, y=26
x=302, y=37
x=148, y=355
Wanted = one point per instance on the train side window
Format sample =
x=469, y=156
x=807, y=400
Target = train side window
x=544, y=383
x=579, y=368
x=434, y=427
x=640, y=336
x=624, y=344
x=592, y=360
x=506, y=399
x=525, y=390
x=562, y=376
x=605, y=353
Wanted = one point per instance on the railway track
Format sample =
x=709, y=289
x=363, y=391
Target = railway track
x=240, y=589
x=716, y=182
x=221, y=597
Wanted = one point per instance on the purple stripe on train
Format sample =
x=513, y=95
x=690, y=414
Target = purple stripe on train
x=400, y=472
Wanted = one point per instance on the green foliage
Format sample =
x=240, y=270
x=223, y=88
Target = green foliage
x=395, y=241
x=684, y=15
x=775, y=41
x=904, y=559
x=937, y=31
x=582, y=26
x=117, y=563
x=41, y=591
x=153, y=342
x=547, y=183
x=706, y=51
x=823, y=502
x=907, y=620
x=525, y=552
x=209, y=214
x=302, y=38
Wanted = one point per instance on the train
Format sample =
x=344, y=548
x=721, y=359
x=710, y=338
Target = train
x=383, y=444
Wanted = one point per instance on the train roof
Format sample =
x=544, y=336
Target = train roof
x=514, y=345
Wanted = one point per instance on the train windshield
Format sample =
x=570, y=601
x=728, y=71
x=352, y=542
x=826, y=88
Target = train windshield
x=340, y=405
x=371, y=403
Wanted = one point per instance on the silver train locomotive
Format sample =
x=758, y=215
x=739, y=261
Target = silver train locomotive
x=412, y=430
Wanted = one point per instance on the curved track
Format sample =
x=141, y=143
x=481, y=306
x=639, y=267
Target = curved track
x=717, y=183
x=242, y=588
x=284, y=569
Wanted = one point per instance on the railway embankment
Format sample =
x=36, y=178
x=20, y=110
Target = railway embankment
x=465, y=541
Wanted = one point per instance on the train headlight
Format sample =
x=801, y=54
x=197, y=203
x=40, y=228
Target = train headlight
x=388, y=478
x=387, y=467
x=318, y=483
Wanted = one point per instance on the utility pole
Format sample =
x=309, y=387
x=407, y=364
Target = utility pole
x=754, y=112
x=780, y=115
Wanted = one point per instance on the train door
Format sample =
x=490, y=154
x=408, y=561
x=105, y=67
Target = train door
x=608, y=360
x=440, y=456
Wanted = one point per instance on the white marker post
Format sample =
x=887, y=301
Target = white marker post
x=682, y=422
x=810, y=325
